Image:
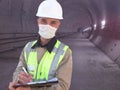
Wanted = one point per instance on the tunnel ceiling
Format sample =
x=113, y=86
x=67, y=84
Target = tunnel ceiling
x=19, y=15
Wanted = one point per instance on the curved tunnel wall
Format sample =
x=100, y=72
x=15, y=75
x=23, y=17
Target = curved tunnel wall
x=18, y=23
x=107, y=36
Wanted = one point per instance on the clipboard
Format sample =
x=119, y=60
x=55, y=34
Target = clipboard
x=47, y=83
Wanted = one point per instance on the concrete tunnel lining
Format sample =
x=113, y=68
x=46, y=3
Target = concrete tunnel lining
x=18, y=16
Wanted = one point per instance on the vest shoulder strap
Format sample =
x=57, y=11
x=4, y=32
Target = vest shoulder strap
x=27, y=49
x=60, y=51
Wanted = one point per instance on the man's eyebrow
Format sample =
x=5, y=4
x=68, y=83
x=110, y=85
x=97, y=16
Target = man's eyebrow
x=54, y=21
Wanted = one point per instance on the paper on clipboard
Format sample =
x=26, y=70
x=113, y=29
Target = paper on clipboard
x=38, y=83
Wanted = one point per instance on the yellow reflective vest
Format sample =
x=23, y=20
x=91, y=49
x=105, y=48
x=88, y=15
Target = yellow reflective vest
x=46, y=69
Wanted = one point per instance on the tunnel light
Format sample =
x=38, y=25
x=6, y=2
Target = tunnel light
x=95, y=26
x=103, y=22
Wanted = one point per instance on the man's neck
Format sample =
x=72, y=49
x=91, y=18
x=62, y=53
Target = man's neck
x=44, y=41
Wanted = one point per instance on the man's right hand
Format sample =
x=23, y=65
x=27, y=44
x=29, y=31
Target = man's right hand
x=19, y=88
x=24, y=77
x=11, y=85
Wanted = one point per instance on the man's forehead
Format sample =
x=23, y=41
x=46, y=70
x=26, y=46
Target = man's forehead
x=46, y=18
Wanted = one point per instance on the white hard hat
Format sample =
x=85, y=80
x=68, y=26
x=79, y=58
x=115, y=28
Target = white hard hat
x=50, y=9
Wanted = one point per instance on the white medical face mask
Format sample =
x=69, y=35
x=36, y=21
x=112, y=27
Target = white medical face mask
x=47, y=31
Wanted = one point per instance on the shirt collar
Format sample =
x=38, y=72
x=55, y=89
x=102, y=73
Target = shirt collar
x=49, y=45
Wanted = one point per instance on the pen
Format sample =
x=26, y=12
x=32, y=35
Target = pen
x=24, y=70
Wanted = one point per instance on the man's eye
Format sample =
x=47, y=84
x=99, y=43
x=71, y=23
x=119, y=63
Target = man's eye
x=43, y=21
x=53, y=22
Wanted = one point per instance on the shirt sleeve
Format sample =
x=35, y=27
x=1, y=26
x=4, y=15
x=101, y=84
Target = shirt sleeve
x=64, y=72
x=18, y=69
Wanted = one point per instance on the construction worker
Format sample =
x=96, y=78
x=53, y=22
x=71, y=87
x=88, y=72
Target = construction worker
x=47, y=57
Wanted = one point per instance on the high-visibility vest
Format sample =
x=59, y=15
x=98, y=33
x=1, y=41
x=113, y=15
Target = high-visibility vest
x=46, y=69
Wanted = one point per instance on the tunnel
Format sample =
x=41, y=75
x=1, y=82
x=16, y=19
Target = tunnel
x=90, y=27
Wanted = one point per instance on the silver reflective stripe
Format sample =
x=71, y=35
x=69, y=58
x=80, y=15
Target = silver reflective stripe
x=55, y=50
x=54, y=64
x=28, y=49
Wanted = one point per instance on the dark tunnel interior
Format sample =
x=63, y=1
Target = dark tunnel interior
x=93, y=21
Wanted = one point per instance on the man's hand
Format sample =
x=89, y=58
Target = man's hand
x=11, y=85
x=23, y=88
x=19, y=88
x=24, y=77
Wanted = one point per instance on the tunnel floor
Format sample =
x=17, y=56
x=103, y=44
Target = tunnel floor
x=92, y=69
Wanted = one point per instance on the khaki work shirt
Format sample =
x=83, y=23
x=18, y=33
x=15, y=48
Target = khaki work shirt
x=63, y=72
